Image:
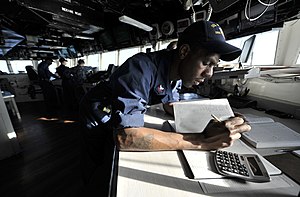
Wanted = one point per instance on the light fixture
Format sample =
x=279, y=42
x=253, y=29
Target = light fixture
x=66, y=35
x=42, y=51
x=11, y=135
x=131, y=21
x=84, y=37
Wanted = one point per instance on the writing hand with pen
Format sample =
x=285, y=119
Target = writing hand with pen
x=221, y=134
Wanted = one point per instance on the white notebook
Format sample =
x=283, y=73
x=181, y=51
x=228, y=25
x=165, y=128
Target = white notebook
x=193, y=116
x=266, y=133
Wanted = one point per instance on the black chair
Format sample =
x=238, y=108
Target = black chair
x=110, y=70
x=32, y=73
x=52, y=93
x=5, y=86
x=102, y=75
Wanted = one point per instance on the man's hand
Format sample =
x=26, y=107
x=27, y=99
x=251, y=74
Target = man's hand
x=223, y=134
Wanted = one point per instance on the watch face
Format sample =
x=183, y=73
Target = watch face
x=167, y=28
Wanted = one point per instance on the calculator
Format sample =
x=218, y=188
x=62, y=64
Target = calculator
x=244, y=166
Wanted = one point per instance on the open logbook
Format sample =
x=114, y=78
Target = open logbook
x=266, y=133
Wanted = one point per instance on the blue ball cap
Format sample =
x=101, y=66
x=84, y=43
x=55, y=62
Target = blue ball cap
x=209, y=36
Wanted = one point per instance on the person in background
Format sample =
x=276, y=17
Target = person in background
x=66, y=75
x=49, y=92
x=43, y=70
x=113, y=111
x=62, y=70
x=80, y=73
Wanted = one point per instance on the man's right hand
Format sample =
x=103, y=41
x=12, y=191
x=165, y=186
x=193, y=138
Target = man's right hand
x=219, y=141
x=223, y=134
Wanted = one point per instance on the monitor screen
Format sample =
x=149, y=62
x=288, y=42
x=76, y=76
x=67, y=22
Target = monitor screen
x=63, y=53
x=247, y=49
x=72, y=52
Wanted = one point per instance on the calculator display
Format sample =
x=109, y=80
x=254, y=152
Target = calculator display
x=254, y=166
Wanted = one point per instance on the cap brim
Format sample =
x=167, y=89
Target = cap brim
x=227, y=51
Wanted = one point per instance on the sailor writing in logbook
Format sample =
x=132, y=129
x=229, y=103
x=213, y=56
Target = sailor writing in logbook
x=117, y=107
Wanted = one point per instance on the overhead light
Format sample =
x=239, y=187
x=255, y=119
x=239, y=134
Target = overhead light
x=11, y=135
x=42, y=51
x=66, y=35
x=57, y=47
x=84, y=37
x=92, y=29
x=131, y=21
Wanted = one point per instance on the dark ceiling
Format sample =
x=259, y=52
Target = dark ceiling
x=71, y=28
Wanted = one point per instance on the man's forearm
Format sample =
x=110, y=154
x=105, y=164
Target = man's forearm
x=216, y=135
x=146, y=139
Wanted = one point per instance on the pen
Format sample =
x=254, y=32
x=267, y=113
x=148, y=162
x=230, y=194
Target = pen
x=216, y=118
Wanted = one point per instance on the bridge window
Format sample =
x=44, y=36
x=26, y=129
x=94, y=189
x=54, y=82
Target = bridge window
x=18, y=66
x=3, y=66
x=264, y=48
x=108, y=58
x=124, y=54
x=93, y=60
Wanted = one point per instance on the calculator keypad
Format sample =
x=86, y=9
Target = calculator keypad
x=231, y=162
x=245, y=166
